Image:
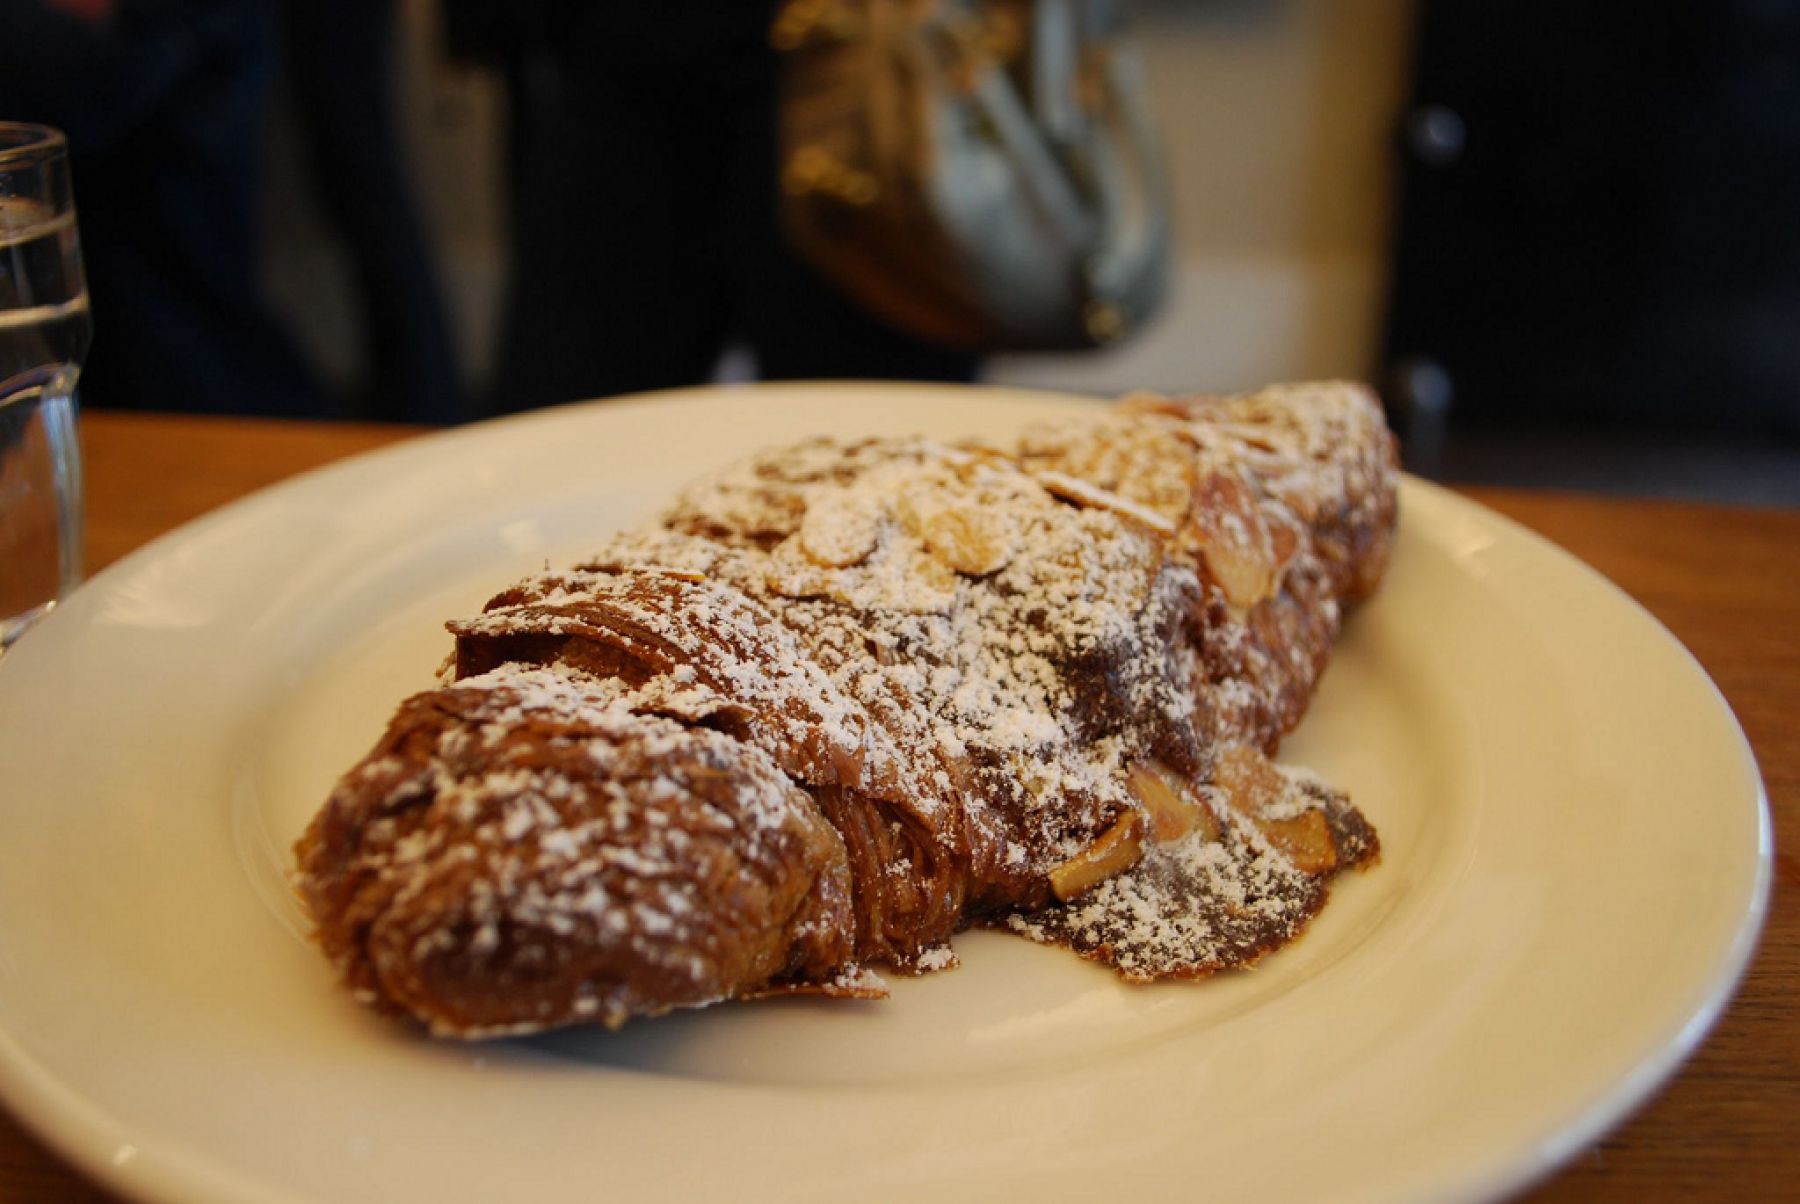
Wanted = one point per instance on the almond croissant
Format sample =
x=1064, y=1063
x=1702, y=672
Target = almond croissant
x=847, y=699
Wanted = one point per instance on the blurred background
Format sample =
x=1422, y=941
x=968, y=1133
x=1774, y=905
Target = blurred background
x=1279, y=123
x=1559, y=235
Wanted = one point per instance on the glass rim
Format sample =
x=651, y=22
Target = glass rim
x=33, y=141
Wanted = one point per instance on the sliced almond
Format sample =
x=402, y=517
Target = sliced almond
x=1284, y=544
x=1252, y=785
x=1305, y=838
x=970, y=541
x=792, y=573
x=1151, y=403
x=958, y=529
x=840, y=533
x=1082, y=493
x=1117, y=850
x=1248, y=779
x=1302, y=501
x=1233, y=540
x=1173, y=808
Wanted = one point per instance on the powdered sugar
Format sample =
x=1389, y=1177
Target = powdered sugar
x=1189, y=908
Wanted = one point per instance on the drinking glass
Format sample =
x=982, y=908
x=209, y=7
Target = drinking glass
x=44, y=330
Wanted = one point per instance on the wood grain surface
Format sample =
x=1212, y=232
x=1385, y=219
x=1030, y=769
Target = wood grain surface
x=1726, y=581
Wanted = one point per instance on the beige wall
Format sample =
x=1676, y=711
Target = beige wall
x=1279, y=118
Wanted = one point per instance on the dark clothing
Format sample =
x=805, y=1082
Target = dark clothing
x=645, y=236
x=163, y=109
x=341, y=54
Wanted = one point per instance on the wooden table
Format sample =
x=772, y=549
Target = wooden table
x=1725, y=581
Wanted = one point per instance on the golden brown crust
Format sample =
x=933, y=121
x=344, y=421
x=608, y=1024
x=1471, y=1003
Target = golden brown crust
x=522, y=849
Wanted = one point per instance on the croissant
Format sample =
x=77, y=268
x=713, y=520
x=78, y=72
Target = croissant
x=847, y=699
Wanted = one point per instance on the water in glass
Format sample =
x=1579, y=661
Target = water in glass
x=44, y=331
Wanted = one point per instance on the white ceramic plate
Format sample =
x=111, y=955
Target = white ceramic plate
x=1575, y=864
